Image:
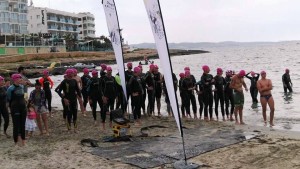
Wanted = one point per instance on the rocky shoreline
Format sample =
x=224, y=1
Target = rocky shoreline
x=36, y=63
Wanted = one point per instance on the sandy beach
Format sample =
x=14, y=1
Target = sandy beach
x=269, y=149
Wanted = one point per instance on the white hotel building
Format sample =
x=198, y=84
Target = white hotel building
x=60, y=23
x=13, y=17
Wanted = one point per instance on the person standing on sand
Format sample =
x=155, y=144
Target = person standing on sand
x=193, y=98
x=71, y=92
x=79, y=82
x=253, y=89
x=47, y=84
x=188, y=87
x=264, y=87
x=135, y=86
x=219, y=93
x=286, y=80
x=128, y=75
x=95, y=94
x=181, y=92
x=38, y=99
x=142, y=76
x=85, y=79
x=149, y=79
x=3, y=107
x=229, y=95
x=17, y=104
x=237, y=83
x=158, y=82
x=25, y=82
x=207, y=80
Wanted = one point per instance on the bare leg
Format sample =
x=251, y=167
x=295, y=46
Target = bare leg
x=45, y=121
x=272, y=109
x=236, y=109
x=158, y=106
x=241, y=115
x=39, y=123
x=103, y=126
x=263, y=102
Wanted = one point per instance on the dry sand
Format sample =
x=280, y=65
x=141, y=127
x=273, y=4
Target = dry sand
x=271, y=149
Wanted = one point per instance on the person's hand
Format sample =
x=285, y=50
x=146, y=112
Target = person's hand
x=90, y=101
x=67, y=102
x=104, y=99
x=150, y=88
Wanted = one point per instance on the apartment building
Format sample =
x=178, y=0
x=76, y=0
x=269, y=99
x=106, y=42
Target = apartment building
x=13, y=17
x=60, y=23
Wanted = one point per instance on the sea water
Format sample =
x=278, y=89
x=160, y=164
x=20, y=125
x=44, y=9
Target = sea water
x=274, y=58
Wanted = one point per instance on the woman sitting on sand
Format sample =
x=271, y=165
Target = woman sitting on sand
x=38, y=99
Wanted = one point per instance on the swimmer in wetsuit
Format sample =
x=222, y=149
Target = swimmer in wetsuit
x=264, y=87
x=253, y=89
x=286, y=80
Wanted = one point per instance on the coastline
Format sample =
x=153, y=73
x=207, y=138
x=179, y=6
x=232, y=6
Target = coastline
x=9, y=64
x=268, y=149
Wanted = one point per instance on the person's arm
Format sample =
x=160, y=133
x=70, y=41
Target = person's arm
x=247, y=76
x=59, y=89
x=51, y=82
x=270, y=86
x=245, y=86
x=259, y=87
x=283, y=80
x=257, y=77
x=31, y=96
x=77, y=90
x=8, y=94
x=233, y=83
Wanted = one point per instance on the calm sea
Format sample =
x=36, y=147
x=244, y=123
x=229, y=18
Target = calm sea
x=273, y=58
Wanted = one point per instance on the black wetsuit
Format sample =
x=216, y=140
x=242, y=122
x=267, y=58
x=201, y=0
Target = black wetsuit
x=167, y=100
x=200, y=97
x=157, y=84
x=219, y=94
x=121, y=101
x=48, y=93
x=3, y=108
x=128, y=75
x=94, y=92
x=253, y=87
x=136, y=89
x=109, y=88
x=206, y=80
x=188, y=95
x=17, y=104
x=144, y=89
x=71, y=91
x=63, y=103
x=182, y=97
x=85, y=79
x=286, y=80
x=228, y=96
x=149, y=79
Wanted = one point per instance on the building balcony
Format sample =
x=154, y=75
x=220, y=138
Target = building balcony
x=53, y=28
x=13, y=1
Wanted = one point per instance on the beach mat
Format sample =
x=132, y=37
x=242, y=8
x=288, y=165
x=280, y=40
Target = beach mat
x=149, y=152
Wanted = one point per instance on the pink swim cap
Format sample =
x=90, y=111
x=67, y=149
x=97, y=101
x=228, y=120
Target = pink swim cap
x=263, y=72
x=187, y=73
x=187, y=68
x=252, y=73
x=136, y=70
x=69, y=72
x=156, y=67
x=74, y=71
x=16, y=76
x=1, y=78
x=287, y=70
x=109, y=68
x=205, y=68
x=151, y=66
x=242, y=73
x=181, y=75
x=45, y=72
x=103, y=66
x=86, y=71
x=219, y=71
x=94, y=73
x=129, y=64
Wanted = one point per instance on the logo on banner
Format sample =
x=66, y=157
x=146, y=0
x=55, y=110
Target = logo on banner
x=114, y=37
x=156, y=21
x=43, y=17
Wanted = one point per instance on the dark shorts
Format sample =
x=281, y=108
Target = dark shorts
x=238, y=98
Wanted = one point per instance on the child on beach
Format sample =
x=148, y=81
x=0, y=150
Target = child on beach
x=30, y=124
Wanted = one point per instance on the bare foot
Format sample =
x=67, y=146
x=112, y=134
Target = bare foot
x=95, y=123
x=265, y=123
x=224, y=118
x=242, y=123
x=237, y=123
x=271, y=124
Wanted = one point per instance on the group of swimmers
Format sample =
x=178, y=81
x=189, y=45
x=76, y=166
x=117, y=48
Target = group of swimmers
x=106, y=91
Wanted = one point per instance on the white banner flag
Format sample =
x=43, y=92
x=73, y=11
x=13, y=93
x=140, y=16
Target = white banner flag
x=115, y=37
x=157, y=26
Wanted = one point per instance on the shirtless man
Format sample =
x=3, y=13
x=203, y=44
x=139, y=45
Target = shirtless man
x=79, y=83
x=264, y=87
x=237, y=83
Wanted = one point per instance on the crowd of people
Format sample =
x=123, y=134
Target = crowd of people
x=105, y=90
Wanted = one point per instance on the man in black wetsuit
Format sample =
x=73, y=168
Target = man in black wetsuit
x=219, y=93
x=149, y=79
x=188, y=87
x=193, y=98
x=94, y=92
x=229, y=95
x=253, y=88
x=109, y=88
x=142, y=75
x=136, y=89
x=128, y=75
x=207, y=80
x=181, y=92
x=71, y=90
x=158, y=88
x=286, y=80
x=85, y=79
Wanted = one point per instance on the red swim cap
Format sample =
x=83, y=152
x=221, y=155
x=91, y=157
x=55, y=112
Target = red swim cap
x=205, y=68
x=219, y=71
x=85, y=70
x=242, y=73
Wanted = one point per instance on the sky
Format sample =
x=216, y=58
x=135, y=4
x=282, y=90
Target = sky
x=197, y=20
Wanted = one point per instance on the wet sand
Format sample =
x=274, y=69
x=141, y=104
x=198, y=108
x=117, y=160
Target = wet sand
x=62, y=149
